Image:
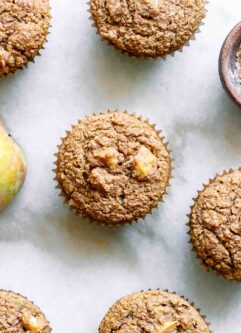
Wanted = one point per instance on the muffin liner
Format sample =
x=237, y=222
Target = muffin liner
x=172, y=54
x=184, y=298
x=206, y=267
x=17, y=294
x=38, y=53
x=112, y=225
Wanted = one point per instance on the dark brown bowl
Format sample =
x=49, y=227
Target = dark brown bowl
x=227, y=65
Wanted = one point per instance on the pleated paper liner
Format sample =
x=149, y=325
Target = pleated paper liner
x=172, y=54
x=192, y=304
x=204, y=265
x=109, y=224
x=38, y=54
x=30, y=302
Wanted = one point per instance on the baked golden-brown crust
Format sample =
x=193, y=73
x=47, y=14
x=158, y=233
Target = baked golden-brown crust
x=154, y=312
x=216, y=225
x=113, y=168
x=147, y=28
x=18, y=315
x=23, y=30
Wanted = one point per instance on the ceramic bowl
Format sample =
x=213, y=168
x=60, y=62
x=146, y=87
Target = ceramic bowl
x=227, y=65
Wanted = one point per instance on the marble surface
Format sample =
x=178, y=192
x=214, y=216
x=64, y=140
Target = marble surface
x=74, y=271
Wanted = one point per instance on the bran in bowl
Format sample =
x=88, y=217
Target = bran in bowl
x=238, y=63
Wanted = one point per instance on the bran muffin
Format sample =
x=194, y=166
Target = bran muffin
x=215, y=225
x=113, y=168
x=155, y=312
x=23, y=30
x=18, y=315
x=147, y=28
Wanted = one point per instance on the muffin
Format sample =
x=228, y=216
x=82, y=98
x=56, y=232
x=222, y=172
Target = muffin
x=215, y=225
x=23, y=30
x=18, y=315
x=113, y=168
x=147, y=28
x=153, y=311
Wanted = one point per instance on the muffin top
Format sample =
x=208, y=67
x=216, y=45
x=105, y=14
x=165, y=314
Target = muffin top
x=147, y=28
x=18, y=315
x=113, y=168
x=216, y=225
x=23, y=30
x=155, y=312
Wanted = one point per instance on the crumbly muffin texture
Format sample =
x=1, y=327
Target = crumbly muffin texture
x=113, y=168
x=147, y=28
x=153, y=312
x=18, y=315
x=216, y=225
x=23, y=29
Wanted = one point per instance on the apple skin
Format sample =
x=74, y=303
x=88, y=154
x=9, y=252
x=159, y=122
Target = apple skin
x=12, y=168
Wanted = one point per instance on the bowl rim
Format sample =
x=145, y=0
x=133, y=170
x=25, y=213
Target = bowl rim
x=229, y=47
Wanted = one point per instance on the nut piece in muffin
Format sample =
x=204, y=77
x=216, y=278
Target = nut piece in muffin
x=147, y=28
x=113, y=168
x=215, y=225
x=23, y=30
x=20, y=315
x=153, y=311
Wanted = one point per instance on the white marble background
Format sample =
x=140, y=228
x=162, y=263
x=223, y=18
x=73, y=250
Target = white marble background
x=75, y=271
